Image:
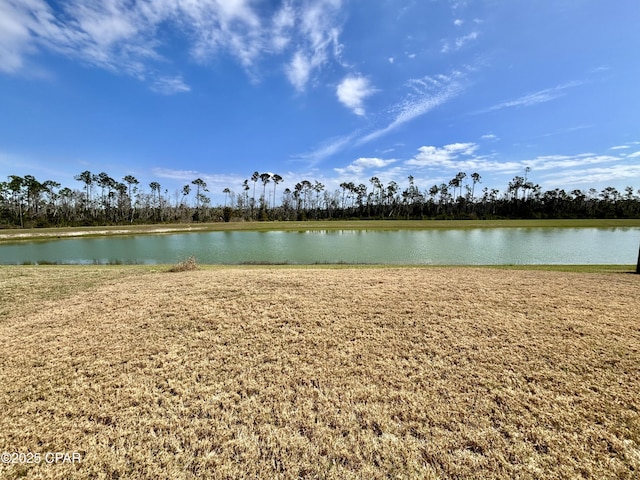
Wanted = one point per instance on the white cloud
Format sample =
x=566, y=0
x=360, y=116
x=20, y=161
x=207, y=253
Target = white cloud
x=125, y=37
x=620, y=147
x=489, y=136
x=352, y=91
x=104, y=23
x=283, y=22
x=446, y=156
x=104, y=34
x=230, y=26
x=555, y=170
x=15, y=38
x=361, y=164
x=299, y=70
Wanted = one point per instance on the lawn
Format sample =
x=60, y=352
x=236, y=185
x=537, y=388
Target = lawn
x=277, y=372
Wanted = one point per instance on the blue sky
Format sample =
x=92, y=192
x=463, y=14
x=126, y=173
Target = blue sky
x=326, y=90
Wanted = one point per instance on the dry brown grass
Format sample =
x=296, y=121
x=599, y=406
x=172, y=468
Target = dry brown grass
x=320, y=373
x=187, y=265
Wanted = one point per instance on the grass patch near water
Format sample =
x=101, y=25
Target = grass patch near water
x=187, y=265
x=570, y=268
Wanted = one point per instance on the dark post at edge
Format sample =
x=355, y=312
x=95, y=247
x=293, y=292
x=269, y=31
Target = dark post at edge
x=638, y=265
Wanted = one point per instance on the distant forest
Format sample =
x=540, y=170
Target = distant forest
x=101, y=200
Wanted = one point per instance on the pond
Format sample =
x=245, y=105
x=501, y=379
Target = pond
x=479, y=246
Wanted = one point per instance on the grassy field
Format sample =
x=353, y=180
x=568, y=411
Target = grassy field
x=13, y=235
x=264, y=372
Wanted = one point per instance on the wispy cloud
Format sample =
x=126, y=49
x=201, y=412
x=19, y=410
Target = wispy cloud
x=180, y=175
x=124, y=36
x=15, y=36
x=627, y=146
x=564, y=131
x=352, y=91
x=108, y=35
x=534, y=98
x=283, y=23
x=426, y=93
x=299, y=70
x=551, y=162
x=459, y=42
x=215, y=182
x=169, y=85
x=318, y=27
x=596, y=175
x=327, y=149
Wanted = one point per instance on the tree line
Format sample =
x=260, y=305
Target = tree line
x=103, y=200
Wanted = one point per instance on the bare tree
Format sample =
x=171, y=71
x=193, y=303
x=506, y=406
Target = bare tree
x=276, y=180
x=200, y=198
x=87, y=178
x=475, y=178
x=254, y=178
x=266, y=178
x=15, y=185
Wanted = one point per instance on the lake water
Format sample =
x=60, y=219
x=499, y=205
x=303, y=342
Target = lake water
x=490, y=246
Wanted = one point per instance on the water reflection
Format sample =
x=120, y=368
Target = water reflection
x=436, y=246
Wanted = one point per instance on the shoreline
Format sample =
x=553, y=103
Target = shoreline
x=611, y=269
x=54, y=233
